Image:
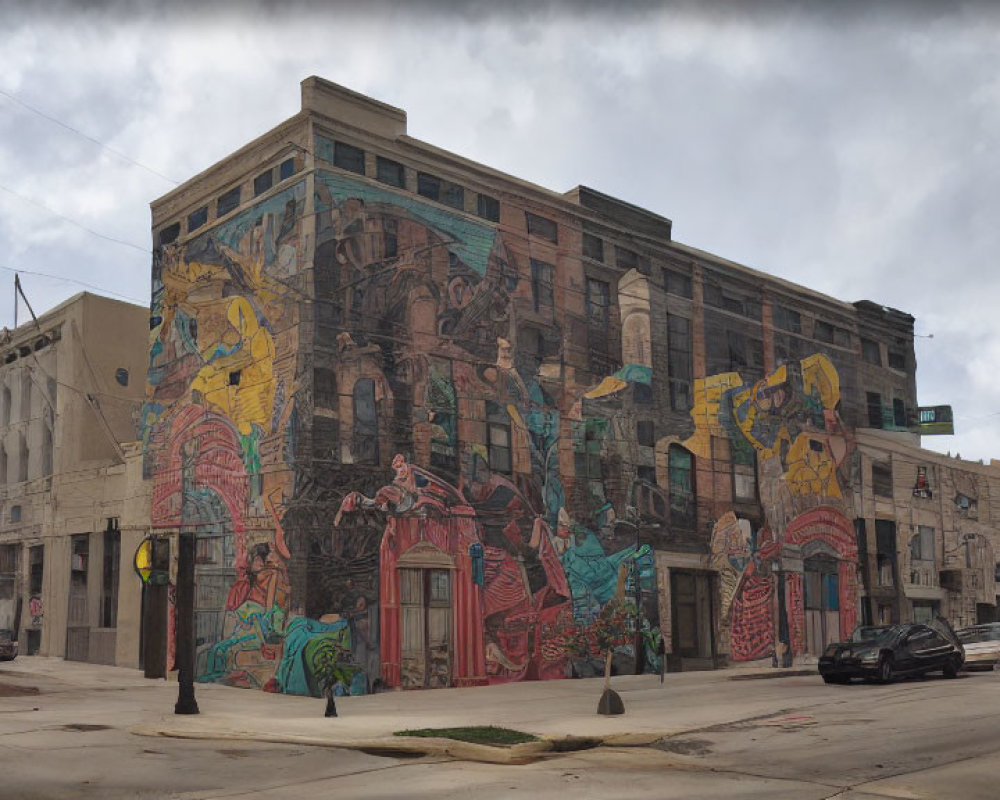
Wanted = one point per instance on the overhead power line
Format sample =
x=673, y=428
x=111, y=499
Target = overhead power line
x=98, y=142
x=144, y=302
x=80, y=225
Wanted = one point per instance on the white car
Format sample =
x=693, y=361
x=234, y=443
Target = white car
x=982, y=645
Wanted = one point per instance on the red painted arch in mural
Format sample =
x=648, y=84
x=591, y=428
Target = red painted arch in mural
x=219, y=467
x=830, y=526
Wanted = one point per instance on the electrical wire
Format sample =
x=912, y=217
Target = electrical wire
x=98, y=142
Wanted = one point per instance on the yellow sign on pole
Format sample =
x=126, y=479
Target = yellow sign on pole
x=143, y=561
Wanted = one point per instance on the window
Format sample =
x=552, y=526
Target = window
x=677, y=283
x=642, y=394
x=735, y=352
x=588, y=436
x=831, y=334
x=227, y=202
x=488, y=208
x=644, y=433
x=24, y=455
x=732, y=300
x=871, y=352
x=744, y=468
x=234, y=377
x=36, y=560
x=882, y=479
x=679, y=362
x=197, y=218
x=349, y=157
x=922, y=544
x=593, y=247
x=389, y=171
x=598, y=304
x=681, y=476
x=5, y=398
x=874, y=409
x=286, y=169
x=542, y=227
x=325, y=388
x=897, y=360
x=169, y=234
x=435, y=188
x=109, y=578
x=542, y=277
x=121, y=376
x=885, y=551
x=646, y=473
x=25, y=395
x=263, y=182
x=629, y=259
x=46, y=450
x=498, y=438
x=364, y=444
x=787, y=319
x=898, y=413
x=15, y=513
x=442, y=414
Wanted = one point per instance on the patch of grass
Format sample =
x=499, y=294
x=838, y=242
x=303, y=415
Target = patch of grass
x=478, y=734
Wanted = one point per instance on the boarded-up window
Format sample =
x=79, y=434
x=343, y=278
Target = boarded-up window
x=679, y=362
x=542, y=279
x=682, y=496
x=882, y=479
x=542, y=226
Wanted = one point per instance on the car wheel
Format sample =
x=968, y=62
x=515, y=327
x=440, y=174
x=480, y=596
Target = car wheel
x=885, y=671
x=951, y=668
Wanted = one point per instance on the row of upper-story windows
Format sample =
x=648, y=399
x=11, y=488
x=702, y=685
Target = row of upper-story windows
x=350, y=158
x=230, y=200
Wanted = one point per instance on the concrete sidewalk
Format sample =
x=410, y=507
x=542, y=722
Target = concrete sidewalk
x=561, y=712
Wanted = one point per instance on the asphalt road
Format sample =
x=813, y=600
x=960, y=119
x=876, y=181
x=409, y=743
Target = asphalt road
x=798, y=738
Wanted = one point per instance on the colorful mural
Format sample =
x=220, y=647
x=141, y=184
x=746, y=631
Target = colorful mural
x=788, y=584
x=380, y=499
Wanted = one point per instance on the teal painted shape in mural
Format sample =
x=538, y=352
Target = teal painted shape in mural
x=230, y=233
x=470, y=241
x=294, y=675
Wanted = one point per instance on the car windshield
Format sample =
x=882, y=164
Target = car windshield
x=980, y=633
x=874, y=633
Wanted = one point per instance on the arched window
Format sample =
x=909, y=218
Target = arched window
x=682, y=489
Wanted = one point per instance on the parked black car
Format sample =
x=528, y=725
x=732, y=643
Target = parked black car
x=885, y=652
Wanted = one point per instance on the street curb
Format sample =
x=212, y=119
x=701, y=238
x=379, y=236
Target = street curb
x=462, y=751
x=778, y=673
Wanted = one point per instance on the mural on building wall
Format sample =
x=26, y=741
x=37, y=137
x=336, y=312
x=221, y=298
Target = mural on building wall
x=387, y=506
x=787, y=583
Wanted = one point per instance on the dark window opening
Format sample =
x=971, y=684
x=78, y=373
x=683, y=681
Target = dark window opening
x=488, y=208
x=263, y=182
x=121, y=376
x=170, y=233
x=428, y=186
x=348, y=157
x=682, y=495
x=325, y=388
x=234, y=378
x=542, y=227
x=286, y=169
x=642, y=394
x=897, y=360
x=598, y=304
x=646, y=473
x=109, y=582
x=787, y=319
x=197, y=218
x=679, y=362
x=677, y=283
x=629, y=259
x=593, y=247
x=831, y=334
x=364, y=446
x=874, y=409
x=644, y=433
x=882, y=479
x=498, y=442
x=227, y=202
x=390, y=172
x=898, y=413
x=542, y=279
x=870, y=352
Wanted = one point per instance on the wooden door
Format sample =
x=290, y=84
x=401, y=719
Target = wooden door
x=425, y=600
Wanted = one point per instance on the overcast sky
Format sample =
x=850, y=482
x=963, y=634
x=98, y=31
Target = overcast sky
x=852, y=151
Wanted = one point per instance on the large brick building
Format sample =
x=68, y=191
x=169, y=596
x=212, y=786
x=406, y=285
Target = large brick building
x=427, y=420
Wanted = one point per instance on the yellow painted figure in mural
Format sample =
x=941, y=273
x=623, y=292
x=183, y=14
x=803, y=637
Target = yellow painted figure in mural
x=238, y=376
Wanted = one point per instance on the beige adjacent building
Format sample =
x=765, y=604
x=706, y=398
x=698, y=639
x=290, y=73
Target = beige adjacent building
x=929, y=532
x=73, y=505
